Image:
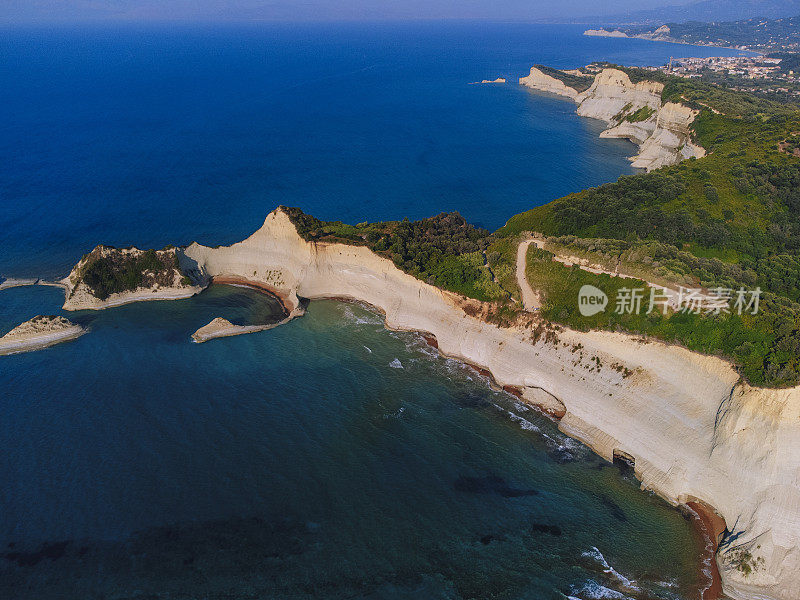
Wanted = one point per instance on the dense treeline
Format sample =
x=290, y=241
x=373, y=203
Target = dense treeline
x=731, y=219
x=119, y=272
x=444, y=250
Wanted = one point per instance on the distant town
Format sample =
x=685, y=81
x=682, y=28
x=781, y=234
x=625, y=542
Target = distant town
x=755, y=74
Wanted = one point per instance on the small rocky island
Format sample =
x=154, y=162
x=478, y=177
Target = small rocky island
x=40, y=332
x=109, y=276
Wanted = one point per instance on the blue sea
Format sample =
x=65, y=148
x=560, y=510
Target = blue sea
x=329, y=457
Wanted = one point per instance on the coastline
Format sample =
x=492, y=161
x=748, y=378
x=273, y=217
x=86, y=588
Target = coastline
x=87, y=302
x=219, y=328
x=690, y=428
x=673, y=41
x=11, y=282
x=706, y=521
x=679, y=415
x=287, y=302
x=663, y=137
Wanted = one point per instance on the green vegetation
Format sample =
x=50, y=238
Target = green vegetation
x=579, y=83
x=764, y=346
x=444, y=250
x=758, y=33
x=118, y=272
x=744, y=561
x=622, y=113
x=703, y=95
x=729, y=220
x=641, y=114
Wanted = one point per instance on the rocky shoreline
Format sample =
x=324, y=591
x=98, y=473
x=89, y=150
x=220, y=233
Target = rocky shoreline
x=692, y=429
x=711, y=527
x=632, y=111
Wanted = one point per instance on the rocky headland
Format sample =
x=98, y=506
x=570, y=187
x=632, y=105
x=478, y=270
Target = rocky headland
x=692, y=429
x=39, y=332
x=632, y=111
x=498, y=80
x=661, y=34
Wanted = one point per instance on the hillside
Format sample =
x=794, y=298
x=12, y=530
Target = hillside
x=731, y=219
x=757, y=33
x=703, y=10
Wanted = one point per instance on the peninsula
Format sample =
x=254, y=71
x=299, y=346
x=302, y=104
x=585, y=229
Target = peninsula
x=692, y=428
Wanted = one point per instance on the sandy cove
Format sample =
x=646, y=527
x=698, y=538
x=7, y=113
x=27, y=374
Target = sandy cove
x=694, y=431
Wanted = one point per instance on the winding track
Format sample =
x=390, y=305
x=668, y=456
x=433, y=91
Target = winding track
x=530, y=299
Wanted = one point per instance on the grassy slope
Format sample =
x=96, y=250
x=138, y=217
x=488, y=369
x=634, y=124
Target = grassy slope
x=731, y=219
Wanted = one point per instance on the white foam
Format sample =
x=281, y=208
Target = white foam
x=523, y=423
x=367, y=318
x=396, y=415
x=592, y=590
x=396, y=364
x=608, y=569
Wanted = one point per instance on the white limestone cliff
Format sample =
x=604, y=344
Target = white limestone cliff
x=662, y=132
x=220, y=327
x=544, y=83
x=693, y=429
x=662, y=34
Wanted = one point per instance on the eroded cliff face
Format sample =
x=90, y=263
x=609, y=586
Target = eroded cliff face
x=544, y=83
x=631, y=111
x=693, y=431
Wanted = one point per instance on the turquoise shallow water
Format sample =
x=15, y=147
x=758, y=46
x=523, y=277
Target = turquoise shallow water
x=327, y=458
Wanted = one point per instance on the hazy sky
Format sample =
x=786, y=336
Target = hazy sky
x=305, y=10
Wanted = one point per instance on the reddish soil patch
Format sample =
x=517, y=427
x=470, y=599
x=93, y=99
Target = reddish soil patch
x=480, y=370
x=711, y=526
x=256, y=285
x=513, y=390
x=430, y=339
